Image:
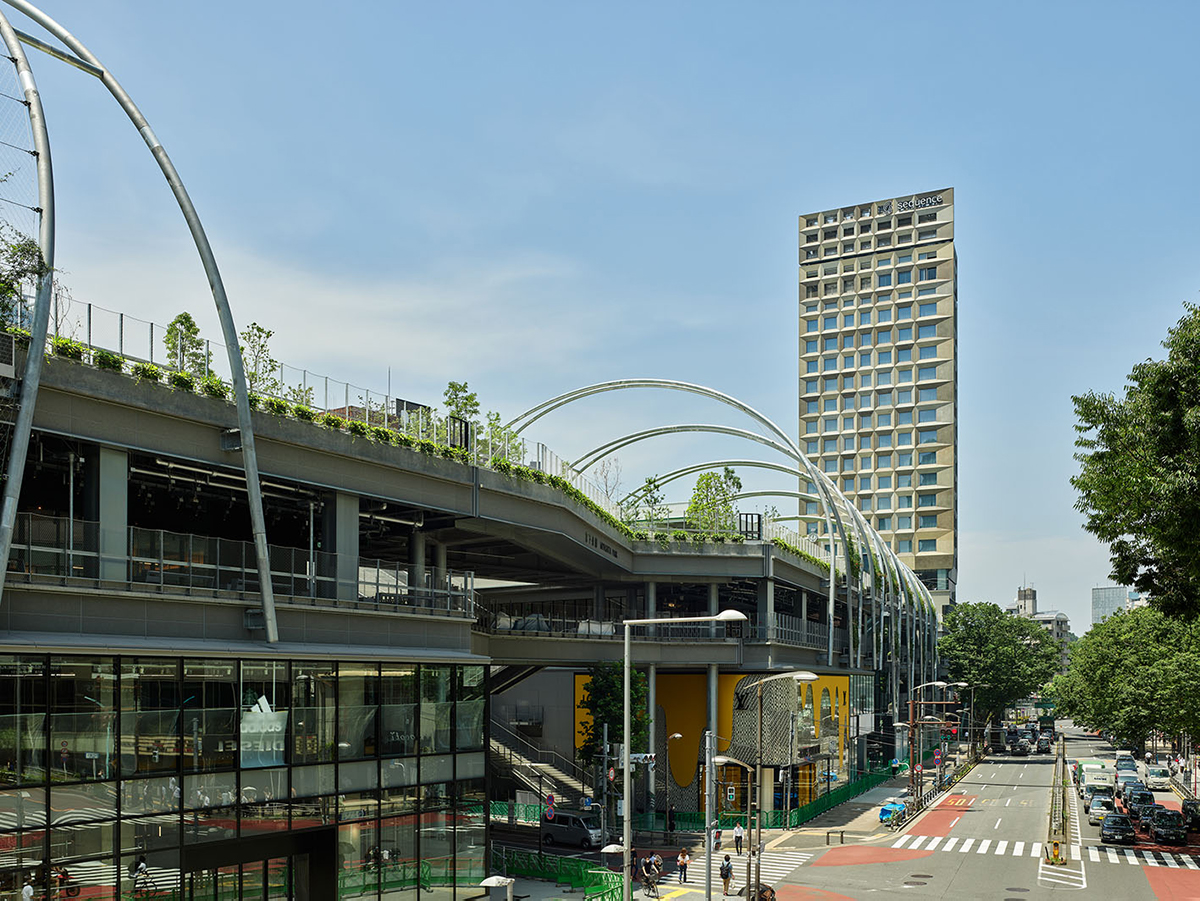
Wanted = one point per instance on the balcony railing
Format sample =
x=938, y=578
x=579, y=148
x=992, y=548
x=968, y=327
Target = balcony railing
x=568, y=622
x=54, y=550
x=797, y=632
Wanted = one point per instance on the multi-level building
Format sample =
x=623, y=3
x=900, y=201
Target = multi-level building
x=1057, y=623
x=878, y=370
x=1108, y=600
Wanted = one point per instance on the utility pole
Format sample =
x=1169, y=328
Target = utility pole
x=604, y=789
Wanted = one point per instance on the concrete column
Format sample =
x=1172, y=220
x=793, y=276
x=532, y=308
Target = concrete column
x=714, y=601
x=712, y=698
x=113, y=513
x=345, y=544
x=416, y=561
x=439, y=565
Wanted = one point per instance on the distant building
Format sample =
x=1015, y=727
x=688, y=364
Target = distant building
x=1057, y=623
x=1108, y=600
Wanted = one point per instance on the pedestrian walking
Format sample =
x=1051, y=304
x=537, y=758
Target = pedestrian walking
x=738, y=834
x=726, y=873
x=683, y=860
x=670, y=821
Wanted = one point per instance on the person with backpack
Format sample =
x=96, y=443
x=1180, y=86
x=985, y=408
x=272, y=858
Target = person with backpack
x=726, y=873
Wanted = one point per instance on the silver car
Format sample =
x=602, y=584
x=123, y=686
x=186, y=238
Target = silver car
x=1099, y=809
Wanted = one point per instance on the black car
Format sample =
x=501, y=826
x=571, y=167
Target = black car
x=1135, y=802
x=1021, y=748
x=1043, y=744
x=1191, y=813
x=1167, y=826
x=1126, y=789
x=1117, y=828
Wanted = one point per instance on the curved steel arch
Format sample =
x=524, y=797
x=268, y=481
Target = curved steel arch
x=598, y=453
x=228, y=330
x=31, y=379
x=714, y=464
x=533, y=414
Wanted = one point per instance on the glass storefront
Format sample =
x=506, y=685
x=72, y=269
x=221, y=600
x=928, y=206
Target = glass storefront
x=223, y=779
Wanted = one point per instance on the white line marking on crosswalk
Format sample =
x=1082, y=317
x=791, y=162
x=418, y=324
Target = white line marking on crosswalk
x=917, y=842
x=1189, y=862
x=1133, y=859
x=966, y=845
x=1094, y=854
x=933, y=843
x=949, y=845
x=1018, y=849
x=1151, y=858
x=1035, y=850
x=1001, y=846
x=900, y=842
x=1171, y=862
x=983, y=846
x=1076, y=852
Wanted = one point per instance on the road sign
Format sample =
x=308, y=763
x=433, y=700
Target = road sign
x=612, y=774
x=587, y=802
x=550, y=800
x=919, y=768
x=550, y=814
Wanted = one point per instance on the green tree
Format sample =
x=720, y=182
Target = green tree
x=648, y=504
x=21, y=264
x=712, y=508
x=1139, y=478
x=185, y=347
x=1129, y=675
x=461, y=402
x=604, y=698
x=1006, y=657
x=262, y=370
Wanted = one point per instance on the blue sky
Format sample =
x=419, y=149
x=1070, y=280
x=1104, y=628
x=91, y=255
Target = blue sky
x=537, y=196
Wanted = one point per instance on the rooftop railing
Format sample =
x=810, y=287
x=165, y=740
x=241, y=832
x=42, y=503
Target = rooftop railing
x=55, y=550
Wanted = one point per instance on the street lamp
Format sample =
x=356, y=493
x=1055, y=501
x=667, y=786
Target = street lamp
x=725, y=616
x=668, y=826
x=915, y=732
x=797, y=677
x=750, y=788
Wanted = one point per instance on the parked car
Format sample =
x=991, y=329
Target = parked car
x=1099, y=808
x=1117, y=828
x=571, y=829
x=1167, y=826
x=1191, y=813
x=1158, y=778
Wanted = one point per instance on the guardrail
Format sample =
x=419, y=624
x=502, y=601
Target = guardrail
x=598, y=884
x=1059, y=828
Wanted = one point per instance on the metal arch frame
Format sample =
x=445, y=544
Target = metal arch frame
x=594, y=456
x=89, y=63
x=31, y=380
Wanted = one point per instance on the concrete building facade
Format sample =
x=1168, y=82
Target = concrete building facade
x=879, y=371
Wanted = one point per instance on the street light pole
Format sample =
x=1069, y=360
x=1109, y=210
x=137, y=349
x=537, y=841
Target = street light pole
x=914, y=734
x=756, y=836
x=722, y=761
x=725, y=616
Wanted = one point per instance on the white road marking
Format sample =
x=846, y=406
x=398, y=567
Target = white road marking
x=1018, y=849
x=1112, y=855
x=997, y=826
x=917, y=842
x=1001, y=846
x=949, y=844
x=1189, y=862
x=1035, y=850
x=953, y=821
x=901, y=840
x=933, y=843
x=1094, y=855
x=1170, y=859
x=1151, y=858
x=966, y=845
x=1133, y=859
x=1076, y=852
x=983, y=846
x=1009, y=801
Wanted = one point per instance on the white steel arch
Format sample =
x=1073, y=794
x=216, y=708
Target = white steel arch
x=84, y=59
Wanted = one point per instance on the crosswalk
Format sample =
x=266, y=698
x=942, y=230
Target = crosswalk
x=101, y=872
x=775, y=865
x=1130, y=856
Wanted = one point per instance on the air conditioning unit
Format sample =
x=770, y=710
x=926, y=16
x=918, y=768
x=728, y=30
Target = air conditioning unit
x=8, y=355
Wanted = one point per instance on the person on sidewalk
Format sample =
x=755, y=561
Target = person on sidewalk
x=670, y=821
x=738, y=834
x=683, y=860
x=726, y=873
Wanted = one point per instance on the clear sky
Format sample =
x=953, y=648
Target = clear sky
x=536, y=196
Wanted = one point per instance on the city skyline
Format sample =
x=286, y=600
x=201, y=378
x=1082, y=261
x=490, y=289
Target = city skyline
x=634, y=214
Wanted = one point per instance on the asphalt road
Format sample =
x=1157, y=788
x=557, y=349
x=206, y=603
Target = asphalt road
x=985, y=840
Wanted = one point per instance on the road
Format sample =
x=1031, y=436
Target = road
x=985, y=840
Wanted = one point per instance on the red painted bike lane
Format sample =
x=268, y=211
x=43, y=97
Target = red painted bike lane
x=937, y=821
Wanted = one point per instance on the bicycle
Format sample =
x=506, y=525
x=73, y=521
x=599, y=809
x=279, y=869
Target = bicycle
x=650, y=886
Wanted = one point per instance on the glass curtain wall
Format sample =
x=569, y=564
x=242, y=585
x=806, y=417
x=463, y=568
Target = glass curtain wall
x=110, y=762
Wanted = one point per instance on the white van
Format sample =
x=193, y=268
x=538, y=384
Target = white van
x=1158, y=778
x=570, y=829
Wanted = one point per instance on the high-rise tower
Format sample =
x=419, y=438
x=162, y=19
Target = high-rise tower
x=879, y=370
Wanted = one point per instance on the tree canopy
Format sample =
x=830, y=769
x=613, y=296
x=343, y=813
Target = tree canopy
x=604, y=698
x=1005, y=657
x=1139, y=478
x=712, y=508
x=185, y=347
x=1132, y=675
x=20, y=263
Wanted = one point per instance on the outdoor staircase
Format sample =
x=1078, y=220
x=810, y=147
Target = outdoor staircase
x=539, y=771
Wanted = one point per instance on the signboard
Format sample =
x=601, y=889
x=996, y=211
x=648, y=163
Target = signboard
x=262, y=739
x=919, y=768
x=612, y=774
x=587, y=802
